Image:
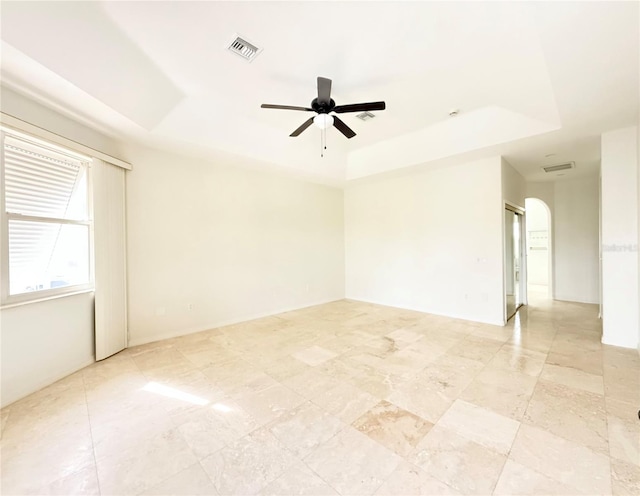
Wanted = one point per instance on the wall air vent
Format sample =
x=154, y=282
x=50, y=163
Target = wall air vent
x=365, y=116
x=559, y=167
x=244, y=49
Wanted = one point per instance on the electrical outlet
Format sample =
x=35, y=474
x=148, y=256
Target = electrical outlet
x=190, y=306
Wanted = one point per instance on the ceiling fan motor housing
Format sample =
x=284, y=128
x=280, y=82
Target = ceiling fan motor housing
x=323, y=107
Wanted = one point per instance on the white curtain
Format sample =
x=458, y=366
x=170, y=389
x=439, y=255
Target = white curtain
x=110, y=258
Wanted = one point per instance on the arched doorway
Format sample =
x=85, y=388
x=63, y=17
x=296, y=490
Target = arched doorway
x=538, y=249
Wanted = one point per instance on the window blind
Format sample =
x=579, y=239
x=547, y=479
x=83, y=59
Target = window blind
x=38, y=184
x=43, y=190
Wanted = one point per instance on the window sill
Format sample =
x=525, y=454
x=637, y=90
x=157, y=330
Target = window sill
x=45, y=298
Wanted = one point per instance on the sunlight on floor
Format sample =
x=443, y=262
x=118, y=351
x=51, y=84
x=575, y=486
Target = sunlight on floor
x=154, y=387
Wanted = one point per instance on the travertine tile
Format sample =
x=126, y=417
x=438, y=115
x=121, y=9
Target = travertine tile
x=153, y=415
x=136, y=422
x=344, y=368
x=517, y=479
x=570, y=413
x=476, y=348
x=285, y=368
x=299, y=480
x=409, y=480
x=249, y=464
x=394, y=428
x=141, y=467
x=432, y=391
x=622, y=383
x=214, y=426
x=404, y=362
x=310, y=383
x=314, y=356
x=510, y=358
x=574, y=378
x=625, y=478
x=624, y=410
x=192, y=480
x=624, y=439
x=565, y=461
x=506, y=393
x=480, y=425
x=81, y=483
x=587, y=361
x=268, y=404
x=231, y=374
x=346, y=402
x=404, y=337
x=52, y=456
x=305, y=428
x=378, y=383
x=459, y=462
x=352, y=463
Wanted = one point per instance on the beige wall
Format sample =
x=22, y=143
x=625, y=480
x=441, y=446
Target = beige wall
x=573, y=204
x=430, y=241
x=210, y=244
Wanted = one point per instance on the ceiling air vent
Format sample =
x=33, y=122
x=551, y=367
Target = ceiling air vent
x=559, y=167
x=365, y=116
x=242, y=47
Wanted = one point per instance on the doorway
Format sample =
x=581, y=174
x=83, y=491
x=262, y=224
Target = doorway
x=538, y=242
x=514, y=256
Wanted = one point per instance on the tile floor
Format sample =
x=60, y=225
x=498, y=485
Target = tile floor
x=346, y=398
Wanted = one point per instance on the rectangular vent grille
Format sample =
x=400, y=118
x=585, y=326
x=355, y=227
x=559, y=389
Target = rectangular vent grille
x=365, y=116
x=559, y=167
x=242, y=47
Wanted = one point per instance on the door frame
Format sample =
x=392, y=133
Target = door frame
x=518, y=210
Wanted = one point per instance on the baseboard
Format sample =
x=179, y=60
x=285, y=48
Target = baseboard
x=184, y=332
x=44, y=383
x=574, y=299
x=422, y=310
x=633, y=345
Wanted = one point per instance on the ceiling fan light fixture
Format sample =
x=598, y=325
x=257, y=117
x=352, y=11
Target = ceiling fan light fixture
x=323, y=121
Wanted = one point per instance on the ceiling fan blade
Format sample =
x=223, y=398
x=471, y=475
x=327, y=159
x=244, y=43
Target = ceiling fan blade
x=285, y=107
x=343, y=128
x=324, y=90
x=304, y=126
x=359, y=107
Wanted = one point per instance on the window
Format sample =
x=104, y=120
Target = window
x=46, y=226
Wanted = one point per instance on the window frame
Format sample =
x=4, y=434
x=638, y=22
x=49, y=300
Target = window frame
x=6, y=299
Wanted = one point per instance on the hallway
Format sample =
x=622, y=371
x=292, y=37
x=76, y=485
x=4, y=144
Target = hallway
x=342, y=398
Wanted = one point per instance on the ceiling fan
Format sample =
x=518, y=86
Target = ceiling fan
x=323, y=105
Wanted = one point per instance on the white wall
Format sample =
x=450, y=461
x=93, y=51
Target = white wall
x=23, y=108
x=620, y=237
x=430, y=241
x=230, y=243
x=234, y=243
x=513, y=185
x=576, y=240
x=537, y=249
x=43, y=342
x=573, y=205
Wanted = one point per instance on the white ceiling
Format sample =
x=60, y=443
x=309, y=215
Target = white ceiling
x=530, y=79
